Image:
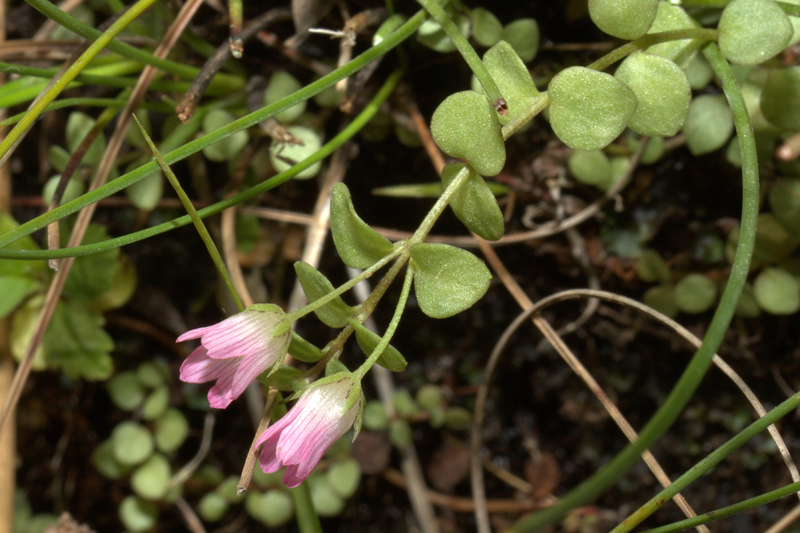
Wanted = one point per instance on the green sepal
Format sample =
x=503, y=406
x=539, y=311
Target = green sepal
x=474, y=204
x=304, y=351
x=334, y=366
x=358, y=245
x=367, y=340
x=334, y=313
x=447, y=280
x=512, y=78
x=466, y=126
x=589, y=109
x=286, y=378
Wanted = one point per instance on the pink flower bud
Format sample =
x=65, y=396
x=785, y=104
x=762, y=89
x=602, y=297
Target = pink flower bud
x=325, y=412
x=235, y=351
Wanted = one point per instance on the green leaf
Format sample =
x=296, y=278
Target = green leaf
x=133, y=444
x=151, y=479
x=368, y=341
x=325, y=500
x=752, y=31
x=388, y=26
x=486, y=29
x=447, y=280
x=156, y=403
x=780, y=98
x=286, y=155
x=708, y=125
x=344, y=477
x=77, y=344
x=512, y=78
x=212, y=507
x=315, y=286
x=672, y=17
x=227, y=148
x=74, y=189
x=92, y=275
x=652, y=268
x=474, y=204
x=170, y=430
x=662, y=299
x=301, y=349
x=777, y=292
x=695, y=293
x=23, y=327
x=125, y=391
x=273, y=508
x=662, y=91
x=466, y=126
x=15, y=289
x=286, y=378
x=103, y=460
x=784, y=200
x=138, y=515
x=358, y=245
x=589, y=109
x=281, y=85
x=591, y=168
x=431, y=34
x=747, y=306
x=78, y=126
x=14, y=267
x=375, y=418
x=523, y=36
x=699, y=73
x=123, y=285
x=625, y=19
x=146, y=193
x=773, y=242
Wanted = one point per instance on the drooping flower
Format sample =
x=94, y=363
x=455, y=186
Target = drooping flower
x=325, y=412
x=235, y=351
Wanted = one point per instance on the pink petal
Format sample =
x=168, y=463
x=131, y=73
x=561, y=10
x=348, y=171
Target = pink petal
x=193, y=334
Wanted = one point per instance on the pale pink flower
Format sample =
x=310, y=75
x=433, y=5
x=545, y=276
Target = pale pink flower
x=235, y=351
x=325, y=412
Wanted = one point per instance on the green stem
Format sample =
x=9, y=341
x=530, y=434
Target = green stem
x=708, y=463
x=307, y=519
x=216, y=257
x=392, y=40
x=51, y=11
x=391, y=328
x=61, y=83
x=437, y=12
x=538, y=105
x=701, y=360
x=648, y=40
x=437, y=209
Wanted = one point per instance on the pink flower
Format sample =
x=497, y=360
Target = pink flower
x=235, y=351
x=325, y=412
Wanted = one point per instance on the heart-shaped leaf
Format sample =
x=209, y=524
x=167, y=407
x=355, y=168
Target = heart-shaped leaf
x=466, y=126
x=334, y=313
x=474, y=204
x=368, y=340
x=589, y=109
x=662, y=91
x=672, y=17
x=447, y=280
x=512, y=78
x=752, y=31
x=780, y=98
x=626, y=19
x=708, y=125
x=358, y=245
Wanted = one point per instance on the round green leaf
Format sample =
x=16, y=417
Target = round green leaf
x=784, y=200
x=747, y=306
x=344, y=477
x=282, y=84
x=662, y=299
x=512, y=78
x=523, y=36
x=79, y=125
x=708, y=125
x=105, y=463
x=430, y=396
x=230, y=146
x=466, y=126
x=672, y=17
x=74, y=189
x=132, y=443
x=326, y=501
x=591, y=168
x=695, y=293
x=626, y=19
x=151, y=479
x=662, y=91
x=589, y=109
x=652, y=267
x=752, y=31
x=457, y=418
x=147, y=192
x=474, y=204
x=447, y=280
x=171, y=430
x=699, y=73
x=125, y=391
x=400, y=434
x=777, y=292
x=213, y=507
x=375, y=418
x=404, y=405
x=286, y=155
x=486, y=29
x=156, y=403
x=780, y=98
x=274, y=508
x=152, y=374
x=137, y=515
